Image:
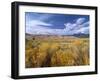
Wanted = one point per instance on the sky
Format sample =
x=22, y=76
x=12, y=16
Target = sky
x=56, y=24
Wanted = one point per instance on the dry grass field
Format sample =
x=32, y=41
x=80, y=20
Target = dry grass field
x=55, y=51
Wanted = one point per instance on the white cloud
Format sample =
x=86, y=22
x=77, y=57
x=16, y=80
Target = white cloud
x=37, y=27
x=83, y=30
x=80, y=26
x=43, y=30
x=85, y=24
x=37, y=23
x=80, y=21
x=68, y=26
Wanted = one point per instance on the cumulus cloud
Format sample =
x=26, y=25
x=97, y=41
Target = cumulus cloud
x=83, y=30
x=80, y=26
x=86, y=24
x=80, y=21
x=40, y=27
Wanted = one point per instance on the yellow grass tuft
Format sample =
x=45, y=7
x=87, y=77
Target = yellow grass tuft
x=50, y=52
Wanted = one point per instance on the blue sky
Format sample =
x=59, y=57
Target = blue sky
x=56, y=24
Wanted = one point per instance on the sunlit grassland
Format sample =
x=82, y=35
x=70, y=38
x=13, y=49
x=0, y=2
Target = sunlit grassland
x=56, y=51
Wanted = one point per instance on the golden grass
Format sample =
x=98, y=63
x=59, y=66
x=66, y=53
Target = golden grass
x=57, y=51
